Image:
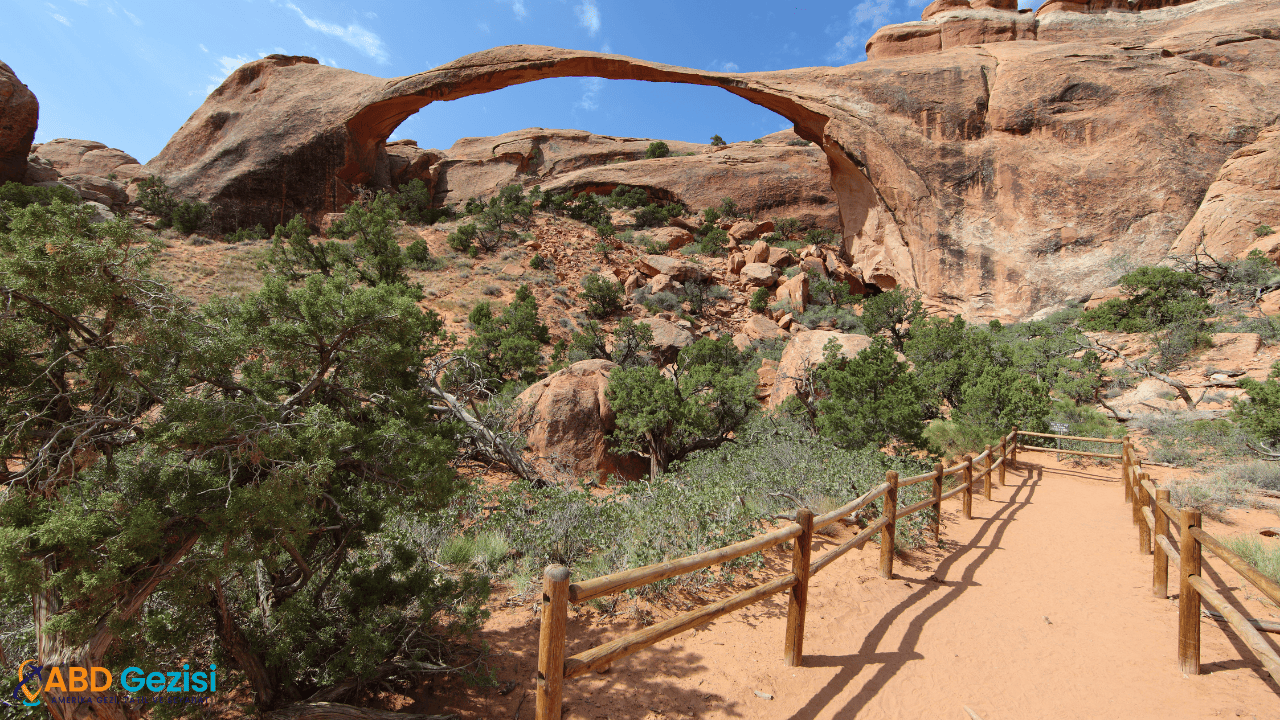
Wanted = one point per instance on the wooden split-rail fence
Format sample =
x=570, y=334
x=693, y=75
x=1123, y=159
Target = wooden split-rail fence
x=554, y=668
x=1151, y=511
x=1173, y=535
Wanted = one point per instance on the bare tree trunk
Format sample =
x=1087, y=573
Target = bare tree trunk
x=1177, y=385
x=233, y=640
x=490, y=442
x=53, y=650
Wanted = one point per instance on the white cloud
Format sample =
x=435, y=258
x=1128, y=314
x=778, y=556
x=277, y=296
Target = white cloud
x=589, y=16
x=132, y=17
x=81, y=2
x=483, y=27
x=864, y=19
x=357, y=37
x=60, y=19
x=606, y=49
x=729, y=67
x=518, y=8
x=591, y=88
x=202, y=47
x=225, y=67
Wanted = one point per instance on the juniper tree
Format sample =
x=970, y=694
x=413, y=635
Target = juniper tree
x=215, y=483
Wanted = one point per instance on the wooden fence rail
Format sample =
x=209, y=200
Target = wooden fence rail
x=1175, y=535
x=558, y=593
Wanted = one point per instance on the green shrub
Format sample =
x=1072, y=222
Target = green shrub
x=657, y=149
x=757, y=141
x=1259, y=414
x=869, y=401
x=1157, y=297
x=819, y=236
x=626, y=197
x=157, y=198
x=759, y=300
x=419, y=256
x=653, y=215
x=415, y=201
x=603, y=296
x=1264, y=556
x=892, y=311
x=1263, y=230
x=463, y=239
x=507, y=346
x=797, y=142
x=717, y=141
x=713, y=242
x=787, y=227
x=257, y=232
x=537, y=262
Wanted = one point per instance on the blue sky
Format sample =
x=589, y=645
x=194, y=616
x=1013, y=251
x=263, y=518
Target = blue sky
x=128, y=73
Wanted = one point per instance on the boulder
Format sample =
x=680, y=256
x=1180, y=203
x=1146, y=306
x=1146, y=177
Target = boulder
x=681, y=270
x=668, y=339
x=758, y=253
x=92, y=187
x=735, y=263
x=758, y=274
x=19, y=114
x=804, y=352
x=38, y=172
x=86, y=157
x=745, y=230
x=569, y=418
x=780, y=257
x=760, y=327
x=795, y=292
x=673, y=238
x=1268, y=246
x=813, y=265
x=662, y=283
x=406, y=162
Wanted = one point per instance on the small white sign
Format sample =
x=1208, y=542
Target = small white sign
x=1058, y=427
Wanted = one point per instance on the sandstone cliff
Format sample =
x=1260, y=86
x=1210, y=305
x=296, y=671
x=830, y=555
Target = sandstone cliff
x=1000, y=178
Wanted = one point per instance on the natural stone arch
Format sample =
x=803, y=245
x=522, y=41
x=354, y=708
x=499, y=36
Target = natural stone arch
x=285, y=134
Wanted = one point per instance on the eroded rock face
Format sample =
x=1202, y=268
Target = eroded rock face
x=998, y=178
x=19, y=114
x=1244, y=196
x=85, y=157
x=569, y=418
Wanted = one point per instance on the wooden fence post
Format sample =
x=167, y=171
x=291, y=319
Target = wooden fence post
x=1004, y=458
x=555, y=614
x=1188, y=596
x=1014, y=450
x=968, y=486
x=1141, y=500
x=1137, y=505
x=794, y=650
x=986, y=479
x=1160, y=564
x=890, y=516
x=1126, y=468
x=937, y=503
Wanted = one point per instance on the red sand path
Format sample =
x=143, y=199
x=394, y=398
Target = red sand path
x=1039, y=607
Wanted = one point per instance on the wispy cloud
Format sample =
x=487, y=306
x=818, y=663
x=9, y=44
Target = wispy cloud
x=354, y=35
x=483, y=27
x=728, y=66
x=517, y=8
x=589, y=16
x=591, y=88
x=60, y=19
x=864, y=19
x=225, y=67
x=81, y=2
x=132, y=17
x=202, y=47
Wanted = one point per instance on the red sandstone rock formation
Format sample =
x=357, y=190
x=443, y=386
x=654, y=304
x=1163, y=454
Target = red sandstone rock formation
x=570, y=419
x=19, y=112
x=998, y=178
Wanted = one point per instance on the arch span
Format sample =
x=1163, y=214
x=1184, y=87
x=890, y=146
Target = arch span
x=285, y=134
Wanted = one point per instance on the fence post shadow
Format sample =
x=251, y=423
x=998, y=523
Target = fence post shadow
x=1028, y=477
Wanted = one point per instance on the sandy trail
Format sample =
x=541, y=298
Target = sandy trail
x=1039, y=607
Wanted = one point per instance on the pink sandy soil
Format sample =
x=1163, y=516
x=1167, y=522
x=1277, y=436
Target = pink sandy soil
x=1038, y=607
